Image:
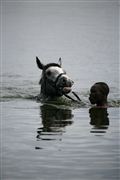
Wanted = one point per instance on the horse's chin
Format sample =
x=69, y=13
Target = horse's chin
x=67, y=90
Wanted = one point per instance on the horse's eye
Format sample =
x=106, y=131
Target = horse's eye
x=48, y=73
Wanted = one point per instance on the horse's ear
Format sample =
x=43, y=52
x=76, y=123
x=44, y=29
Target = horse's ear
x=60, y=61
x=39, y=64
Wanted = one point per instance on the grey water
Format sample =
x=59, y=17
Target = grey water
x=47, y=142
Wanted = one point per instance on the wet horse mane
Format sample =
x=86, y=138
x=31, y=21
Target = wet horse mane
x=50, y=65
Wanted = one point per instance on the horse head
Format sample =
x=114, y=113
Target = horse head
x=54, y=80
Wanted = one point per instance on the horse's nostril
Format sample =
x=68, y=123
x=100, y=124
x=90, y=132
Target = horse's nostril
x=64, y=80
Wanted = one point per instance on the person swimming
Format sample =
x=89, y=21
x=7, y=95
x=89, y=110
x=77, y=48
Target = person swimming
x=98, y=94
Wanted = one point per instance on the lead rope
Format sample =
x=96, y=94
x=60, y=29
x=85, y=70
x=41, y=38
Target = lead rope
x=78, y=99
x=76, y=96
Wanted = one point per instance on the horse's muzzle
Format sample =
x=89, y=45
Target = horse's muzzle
x=65, y=83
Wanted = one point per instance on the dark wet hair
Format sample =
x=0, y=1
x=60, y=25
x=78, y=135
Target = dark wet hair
x=104, y=87
x=51, y=64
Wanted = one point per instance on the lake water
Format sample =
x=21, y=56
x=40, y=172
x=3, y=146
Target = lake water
x=45, y=142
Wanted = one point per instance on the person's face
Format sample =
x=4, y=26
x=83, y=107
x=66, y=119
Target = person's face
x=96, y=96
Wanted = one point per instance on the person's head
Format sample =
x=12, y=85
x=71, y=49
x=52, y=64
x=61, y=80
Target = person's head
x=98, y=94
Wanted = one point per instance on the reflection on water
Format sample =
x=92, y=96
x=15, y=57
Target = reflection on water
x=99, y=119
x=54, y=121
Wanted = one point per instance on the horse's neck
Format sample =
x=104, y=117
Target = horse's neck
x=45, y=94
x=47, y=90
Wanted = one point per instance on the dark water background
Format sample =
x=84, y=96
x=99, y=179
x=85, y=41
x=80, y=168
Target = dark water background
x=46, y=142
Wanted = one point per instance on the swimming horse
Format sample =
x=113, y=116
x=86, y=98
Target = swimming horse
x=55, y=83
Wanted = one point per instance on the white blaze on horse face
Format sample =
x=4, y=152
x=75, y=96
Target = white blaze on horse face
x=53, y=72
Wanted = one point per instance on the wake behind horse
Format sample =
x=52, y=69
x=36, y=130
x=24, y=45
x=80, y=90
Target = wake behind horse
x=54, y=82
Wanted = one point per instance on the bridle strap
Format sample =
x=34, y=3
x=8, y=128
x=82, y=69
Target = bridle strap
x=58, y=78
x=70, y=98
x=52, y=83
